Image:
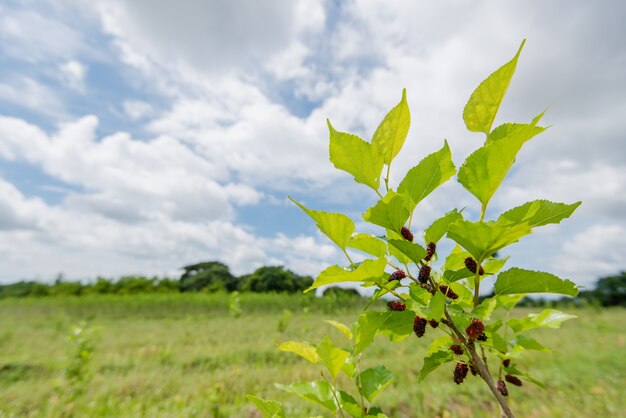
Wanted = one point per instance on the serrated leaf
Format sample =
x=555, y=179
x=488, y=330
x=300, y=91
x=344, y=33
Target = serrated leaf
x=433, y=361
x=483, y=104
x=302, y=349
x=485, y=169
x=411, y=250
x=451, y=276
x=356, y=156
x=426, y=176
x=549, y=318
x=365, y=329
x=268, y=408
x=482, y=239
x=350, y=405
x=495, y=341
x=527, y=343
x=436, y=306
x=440, y=344
x=392, y=131
x=508, y=129
x=341, y=327
x=365, y=271
x=439, y=228
x=494, y=265
x=485, y=309
x=398, y=325
x=332, y=357
x=390, y=212
x=518, y=280
x=336, y=226
x=508, y=302
x=419, y=294
x=373, y=380
x=317, y=391
x=368, y=244
x=538, y=213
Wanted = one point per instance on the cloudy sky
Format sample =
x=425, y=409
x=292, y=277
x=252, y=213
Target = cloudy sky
x=140, y=136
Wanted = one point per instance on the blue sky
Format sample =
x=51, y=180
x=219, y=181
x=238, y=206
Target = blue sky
x=141, y=136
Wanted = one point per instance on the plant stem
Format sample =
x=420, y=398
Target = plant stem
x=387, y=177
x=349, y=259
x=334, y=391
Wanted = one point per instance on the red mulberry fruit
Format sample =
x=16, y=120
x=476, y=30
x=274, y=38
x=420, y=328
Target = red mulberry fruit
x=397, y=275
x=471, y=265
x=456, y=349
x=514, y=380
x=424, y=274
x=475, y=329
x=460, y=372
x=506, y=362
x=433, y=323
x=448, y=292
x=431, y=248
x=482, y=337
x=406, y=234
x=419, y=326
x=502, y=388
x=396, y=306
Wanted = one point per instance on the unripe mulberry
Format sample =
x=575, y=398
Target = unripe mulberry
x=456, y=349
x=406, y=234
x=475, y=329
x=502, y=388
x=506, y=362
x=433, y=323
x=448, y=292
x=396, y=306
x=513, y=380
x=424, y=274
x=471, y=265
x=482, y=337
x=460, y=372
x=419, y=326
x=431, y=248
x=397, y=275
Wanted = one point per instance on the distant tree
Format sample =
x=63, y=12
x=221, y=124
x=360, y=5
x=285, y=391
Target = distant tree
x=209, y=276
x=341, y=292
x=611, y=291
x=275, y=279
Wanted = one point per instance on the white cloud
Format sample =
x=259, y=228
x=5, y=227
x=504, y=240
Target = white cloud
x=26, y=93
x=136, y=109
x=72, y=74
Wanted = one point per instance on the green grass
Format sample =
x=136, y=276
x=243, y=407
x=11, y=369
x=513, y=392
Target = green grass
x=183, y=355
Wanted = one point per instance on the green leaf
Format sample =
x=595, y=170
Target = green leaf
x=390, y=212
x=336, y=226
x=332, y=357
x=436, y=306
x=456, y=259
x=440, y=344
x=495, y=340
x=521, y=342
x=514, y=371
x=482, y=239
x=508, y=302
x=485, y=169
x=549, y=318
x=485, y=309
x=355, y=156
x=268, y=408
x=518, y=280
x=451, y=276
x=317, y=391
x=392, y=131
x=439, y=228
x=341, y=327
x=397, y=325
x=373, y=380
x=365, y=329
x=302, y=349
x=350, y=405
x=433, y=361
x=368, y=244
x=508, y=129
x=494, y=265
x=334, y=274
x=419, y=294
x=483, y=104
x=425, y=177
x=413, y=251
x=538, y=213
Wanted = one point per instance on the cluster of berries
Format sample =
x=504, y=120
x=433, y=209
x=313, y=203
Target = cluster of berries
x=396, y=306
x=471, y=265
x=397, y=275
x=448, y=292
x=424, y=274
x=476, y=330
x=431, y=248
x=406, y=234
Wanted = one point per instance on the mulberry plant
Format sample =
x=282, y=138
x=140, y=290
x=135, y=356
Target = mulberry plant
x=429, y=287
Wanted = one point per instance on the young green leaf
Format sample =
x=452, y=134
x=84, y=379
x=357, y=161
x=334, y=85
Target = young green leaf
x=439, y=228
x=538, y=213
x=483, y=104
x=317, y=391
x=341, y=327
x=433, y=361
x=522, y=342
x=425, y=177
x=373, y=380
x=355, y=156
x=485, y=169
x=334, y=274
x=518, y=280
x=268, y=408
x=336, y=226
x=302, y=349
x=413, y=251
x=390, y=212
x=494, y=265
x=508, y=129
x=482, y=239
x=549, y=318
x=392, y=131
x=368, y=244
x=332, y=357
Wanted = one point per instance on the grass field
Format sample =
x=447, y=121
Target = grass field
x=184, y=356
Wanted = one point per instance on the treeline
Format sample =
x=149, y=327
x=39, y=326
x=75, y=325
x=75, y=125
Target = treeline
x=203, y=277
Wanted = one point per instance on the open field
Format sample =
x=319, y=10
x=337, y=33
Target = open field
x=184, y=355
